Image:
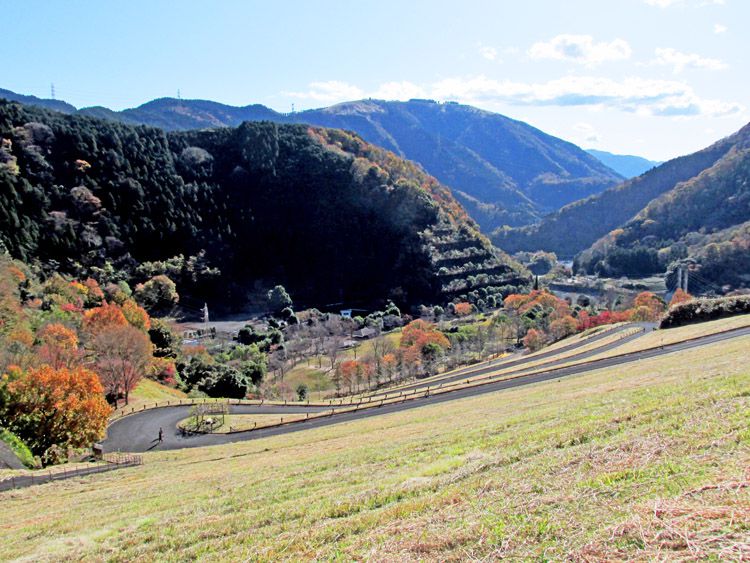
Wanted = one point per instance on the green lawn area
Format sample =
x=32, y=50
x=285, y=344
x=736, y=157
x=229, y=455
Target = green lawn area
x=624, y=463
x=148, y=392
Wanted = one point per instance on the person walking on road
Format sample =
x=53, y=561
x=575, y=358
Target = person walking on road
x=161, y=435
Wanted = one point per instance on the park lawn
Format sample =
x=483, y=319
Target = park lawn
x=617, y=464
x=148, y=392
x=319, y=384
x=237, y=422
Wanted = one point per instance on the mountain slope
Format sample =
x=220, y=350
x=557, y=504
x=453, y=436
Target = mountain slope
x=56, y=105
x=326, y=214
x=515, y=171
x=503, y=171
x=578, y=225
x=673, y=226
x=628, y=166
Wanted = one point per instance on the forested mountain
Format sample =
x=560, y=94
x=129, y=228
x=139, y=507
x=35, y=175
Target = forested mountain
x=57, y=105
x=628, y=166
x=503, y=171
x=320, y=211
x=679, y=224
x=579, y=225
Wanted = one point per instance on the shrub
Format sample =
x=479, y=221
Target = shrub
x=701, y=310
x=21, y=450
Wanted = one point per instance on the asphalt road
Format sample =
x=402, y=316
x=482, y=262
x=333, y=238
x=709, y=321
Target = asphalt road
x=505, y=363
x=138, y=432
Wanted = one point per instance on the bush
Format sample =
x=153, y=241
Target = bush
x=701, y=310
x=21, y=450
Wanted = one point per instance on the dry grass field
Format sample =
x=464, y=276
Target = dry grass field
x=647, y=461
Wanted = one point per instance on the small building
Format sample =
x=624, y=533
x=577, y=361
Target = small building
x=364, y=333
x=346, y=313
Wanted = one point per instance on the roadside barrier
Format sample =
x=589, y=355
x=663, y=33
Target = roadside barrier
x=109, y=462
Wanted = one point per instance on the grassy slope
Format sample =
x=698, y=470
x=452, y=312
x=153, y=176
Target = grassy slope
x=149, y=391
x=563, y=468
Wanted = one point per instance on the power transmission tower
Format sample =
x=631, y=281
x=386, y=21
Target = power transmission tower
x=52, y=90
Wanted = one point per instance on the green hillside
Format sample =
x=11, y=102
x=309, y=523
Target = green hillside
x=320, y=211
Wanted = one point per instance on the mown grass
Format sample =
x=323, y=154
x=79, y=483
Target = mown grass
x=148, y=392
x=543, y=472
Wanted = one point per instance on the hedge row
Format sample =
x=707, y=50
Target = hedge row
x=700, y=310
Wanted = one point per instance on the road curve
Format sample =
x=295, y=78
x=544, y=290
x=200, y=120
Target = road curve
x=138, y=432
x=505, y=363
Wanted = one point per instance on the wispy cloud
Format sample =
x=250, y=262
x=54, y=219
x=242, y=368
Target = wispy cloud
x=642, y=96
x=489, y=53
x=331, y=91
x=398, y=91
x=719, y=28
x=679, y=61
x=635, y=95
x=581, y=49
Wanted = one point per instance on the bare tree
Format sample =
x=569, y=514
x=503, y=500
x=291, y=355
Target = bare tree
x=121, y=355
x=333, y=349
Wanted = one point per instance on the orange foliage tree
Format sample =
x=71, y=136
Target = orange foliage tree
x=463, y=309
x=534, y=340
x=108, y=314
x=63, y=407
x=59, y=346
x=680, y=296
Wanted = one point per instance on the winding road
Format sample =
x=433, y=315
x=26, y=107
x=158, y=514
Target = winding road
x=138, y=432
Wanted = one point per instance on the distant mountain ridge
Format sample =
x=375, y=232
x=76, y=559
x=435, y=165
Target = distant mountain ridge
x=628, y=166
x=577, y=226
x=504, y=172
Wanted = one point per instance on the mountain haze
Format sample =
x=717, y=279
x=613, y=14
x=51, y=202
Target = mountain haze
x=628, y=166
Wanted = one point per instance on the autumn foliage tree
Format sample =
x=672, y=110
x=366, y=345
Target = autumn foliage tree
x=680, y=296
x=421, y=343
x=58, y=346
x=534, y=340
x=63, y=407
x=122, y=355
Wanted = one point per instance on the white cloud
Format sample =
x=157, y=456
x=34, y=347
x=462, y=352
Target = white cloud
x=585, y=134
x=581, y=49
x=641, y=96
x=398, y=91
x=679, y=61
x=331, y=91
x=489, y=53
x=719, y=28
x=634, y=95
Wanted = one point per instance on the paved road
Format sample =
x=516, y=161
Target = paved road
x=505, y=363
x=136, y=433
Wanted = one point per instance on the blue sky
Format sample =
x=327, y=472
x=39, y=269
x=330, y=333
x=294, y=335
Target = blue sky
x=658, y=78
